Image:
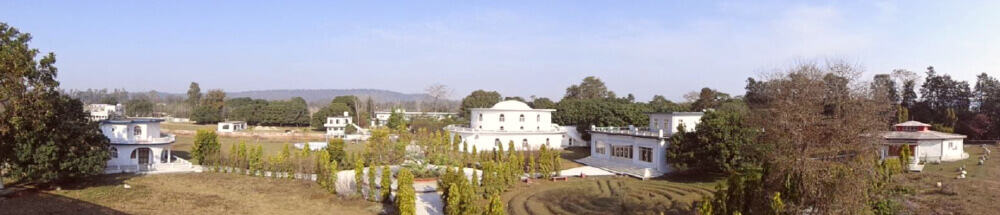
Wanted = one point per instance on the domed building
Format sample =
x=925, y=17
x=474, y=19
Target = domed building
x=508, y=121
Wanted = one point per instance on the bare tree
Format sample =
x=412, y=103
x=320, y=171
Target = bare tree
x=821, y=129
x=438, y=93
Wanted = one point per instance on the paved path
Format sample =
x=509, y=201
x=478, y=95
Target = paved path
x=428, y=201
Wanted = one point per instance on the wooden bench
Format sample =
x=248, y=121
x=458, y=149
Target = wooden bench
x=563, y=178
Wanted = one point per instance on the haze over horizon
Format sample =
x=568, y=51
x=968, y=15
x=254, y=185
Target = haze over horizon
x=515, y=48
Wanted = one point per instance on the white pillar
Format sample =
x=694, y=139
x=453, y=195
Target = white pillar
x=169, y=160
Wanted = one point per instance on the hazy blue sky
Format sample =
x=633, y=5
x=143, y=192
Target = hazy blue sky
x=517, y=48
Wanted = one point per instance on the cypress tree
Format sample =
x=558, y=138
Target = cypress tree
x=454, y=200
x=405, y=195
x=386, y=183
x=359, y=173
x=496, y=206
x=373, y=194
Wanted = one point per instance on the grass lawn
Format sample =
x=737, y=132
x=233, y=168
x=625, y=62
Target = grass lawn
x=606, y=195
x=569, y=155
x=196, y=193
x=272, y=146
x=979, y=193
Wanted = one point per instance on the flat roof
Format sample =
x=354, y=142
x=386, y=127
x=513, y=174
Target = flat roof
x=678, y=113
x=131, y=120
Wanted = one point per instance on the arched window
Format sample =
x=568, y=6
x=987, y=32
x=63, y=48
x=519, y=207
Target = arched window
x=521, y=119
x=538, y=118
x=137, y=130
x=501, y=117
x=524, y=142
x=480, y=127
x=538, y=128
x=501, y=128
x=522, y=128
x=497, y=141
x=135, y=154
x=114, y=152
x=546, y=141
x=480, y=117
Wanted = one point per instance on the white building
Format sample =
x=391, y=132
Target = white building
x=638, y=151
x=925, y=145
x=336, y=126
x=509, y=121
x=100, y=112
x=231, y=126
x=136, y=144
x=382, y=117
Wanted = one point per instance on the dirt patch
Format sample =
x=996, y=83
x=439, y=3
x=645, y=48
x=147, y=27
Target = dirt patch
x=197, y=193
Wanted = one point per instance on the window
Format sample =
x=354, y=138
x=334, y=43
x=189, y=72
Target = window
x=538, y=128
x=538, y=118
x=646, y=154
x=477, y=136
x=656, y=123
x=501, y=128
x=951, y=144
x=521, y=119
x=501, y=117
x=137, y=130
x=546, y=141
x=524, y=143
x=134, y=154
x=225, y=127
x=522, y=128
x=600, y=148
x=114, y=152
x=621, y=151
x=497, y=141
x=480, y=127
x=480, y=117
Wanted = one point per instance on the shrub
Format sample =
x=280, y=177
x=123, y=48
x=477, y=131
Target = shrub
x=386, y=183
x=206, y=145
x=405, y=194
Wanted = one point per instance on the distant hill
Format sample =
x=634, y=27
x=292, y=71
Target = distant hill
x=325, y=95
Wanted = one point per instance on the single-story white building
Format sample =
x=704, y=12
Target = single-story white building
x=925, y=145
x=231, y=126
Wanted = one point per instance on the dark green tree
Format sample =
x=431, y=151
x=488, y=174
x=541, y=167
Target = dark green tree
x=542, y=103
x=45, y=136
x=478, y=99
x=194, y=95
x=591, y=88
x=715, y=145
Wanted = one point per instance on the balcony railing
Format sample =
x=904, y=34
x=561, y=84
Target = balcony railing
x=634, y=131
x=465, y=128
x=164, y=138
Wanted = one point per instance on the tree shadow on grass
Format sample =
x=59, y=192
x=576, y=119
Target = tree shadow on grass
x=34, y=201
x=693, y=176
x=97, y=181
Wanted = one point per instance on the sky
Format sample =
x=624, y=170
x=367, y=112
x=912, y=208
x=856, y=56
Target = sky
x=518, y=48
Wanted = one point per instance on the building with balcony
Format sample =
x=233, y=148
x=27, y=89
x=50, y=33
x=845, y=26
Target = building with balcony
x=137, y=145
x=381, y=118
x=336, y=126
x=925, y=145
x=508, y=121
x=638, y=151
x=100, y=112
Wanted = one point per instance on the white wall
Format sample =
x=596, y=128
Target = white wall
x=533, y=120
x=658, y=147
x=487, y=141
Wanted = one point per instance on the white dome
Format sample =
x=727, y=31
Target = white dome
x=511, y=105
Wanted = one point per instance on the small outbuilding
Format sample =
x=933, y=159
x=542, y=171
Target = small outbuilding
x=231, y=126
x=924, y=144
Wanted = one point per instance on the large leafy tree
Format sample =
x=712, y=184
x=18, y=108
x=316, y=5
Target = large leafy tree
x=708, y=99
x=478, y=99
x=987, y=98
x=542, y=103
x=716, y=145
x=45, y=136
x=139, y=107
x=591, y=88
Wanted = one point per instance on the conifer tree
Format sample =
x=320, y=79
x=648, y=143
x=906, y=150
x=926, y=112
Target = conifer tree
x=373, y=194
x=359, y=173
x=532, y=166
x=454, y=200
x=405, y=194
x=386, y=183
x=475, y=178
x=496, y=206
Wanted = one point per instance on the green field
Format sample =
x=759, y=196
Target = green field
x=605, y=196
x=184, y=143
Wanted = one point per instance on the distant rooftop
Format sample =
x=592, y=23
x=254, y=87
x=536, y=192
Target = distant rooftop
x=131, y=120
x=679, y=113
x=912, y=124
